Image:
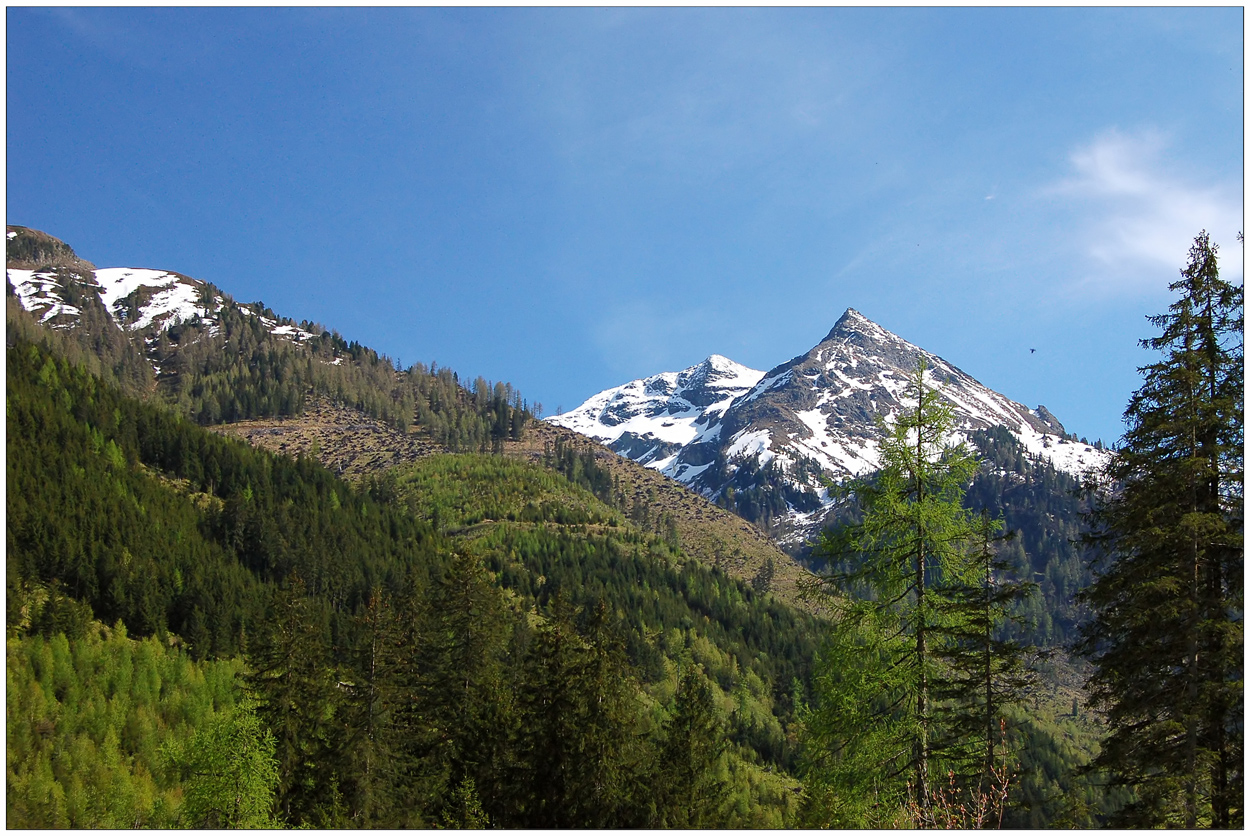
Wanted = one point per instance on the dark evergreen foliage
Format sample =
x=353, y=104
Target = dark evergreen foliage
x=689, y=793
x=1167, y=637
x=580, y=760
x=90, y=507
x=292, y=677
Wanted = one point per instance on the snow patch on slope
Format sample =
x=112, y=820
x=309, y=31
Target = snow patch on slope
x=1073, y=457
x=674, y=408
x=751, y=443
x=835, y=452
x=292, y=332
x=175, y=298
x=38, y=291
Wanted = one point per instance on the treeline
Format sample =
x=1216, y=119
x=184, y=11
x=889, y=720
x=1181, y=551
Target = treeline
x=582, y=469
x=230, y=366
x=402, y=671
x=234, y=368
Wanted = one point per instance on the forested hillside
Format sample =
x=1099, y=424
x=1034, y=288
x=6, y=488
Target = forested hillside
x=121, y=512
x=396, y=644
x=355, y=445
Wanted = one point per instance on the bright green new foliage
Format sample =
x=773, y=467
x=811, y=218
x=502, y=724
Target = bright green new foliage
x=92, y=723
x=230, y=772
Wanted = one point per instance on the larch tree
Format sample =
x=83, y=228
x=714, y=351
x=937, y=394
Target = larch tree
x=1166, y=637
x=231, y=772
x=898, y=573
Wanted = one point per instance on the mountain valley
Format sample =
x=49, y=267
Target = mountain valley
x=243, y=467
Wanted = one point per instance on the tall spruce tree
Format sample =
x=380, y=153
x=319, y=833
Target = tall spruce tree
x=579, y=765
x=986, y=664
x=1166, y=637
x=462, y=693
x=899, y=570
x=293, y=681
x=687, y=791
x=376, y=740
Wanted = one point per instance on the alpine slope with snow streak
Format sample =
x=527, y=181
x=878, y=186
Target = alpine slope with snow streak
x=63, y=291
x=170, y=298
x=39, y=293
x=135, y=298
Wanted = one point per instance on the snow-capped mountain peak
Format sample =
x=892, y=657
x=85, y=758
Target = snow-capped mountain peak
x=818, y=415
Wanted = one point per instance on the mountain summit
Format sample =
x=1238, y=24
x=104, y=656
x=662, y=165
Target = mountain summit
x=652, y=419
x=722, y=428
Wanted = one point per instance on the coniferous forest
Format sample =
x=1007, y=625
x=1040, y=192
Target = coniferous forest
x=205, y=634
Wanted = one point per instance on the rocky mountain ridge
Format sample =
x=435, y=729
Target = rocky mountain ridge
x=54, y=284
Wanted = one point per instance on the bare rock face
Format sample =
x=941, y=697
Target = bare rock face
x=719, y=427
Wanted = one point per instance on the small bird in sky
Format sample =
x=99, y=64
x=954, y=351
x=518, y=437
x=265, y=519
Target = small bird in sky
x=1032, y=350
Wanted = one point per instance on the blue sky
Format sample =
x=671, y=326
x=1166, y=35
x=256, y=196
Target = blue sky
x=571, y=198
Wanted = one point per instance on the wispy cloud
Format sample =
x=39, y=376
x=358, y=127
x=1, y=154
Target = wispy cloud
x=122, y=35
x=646, y=96
x=1140, y=216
